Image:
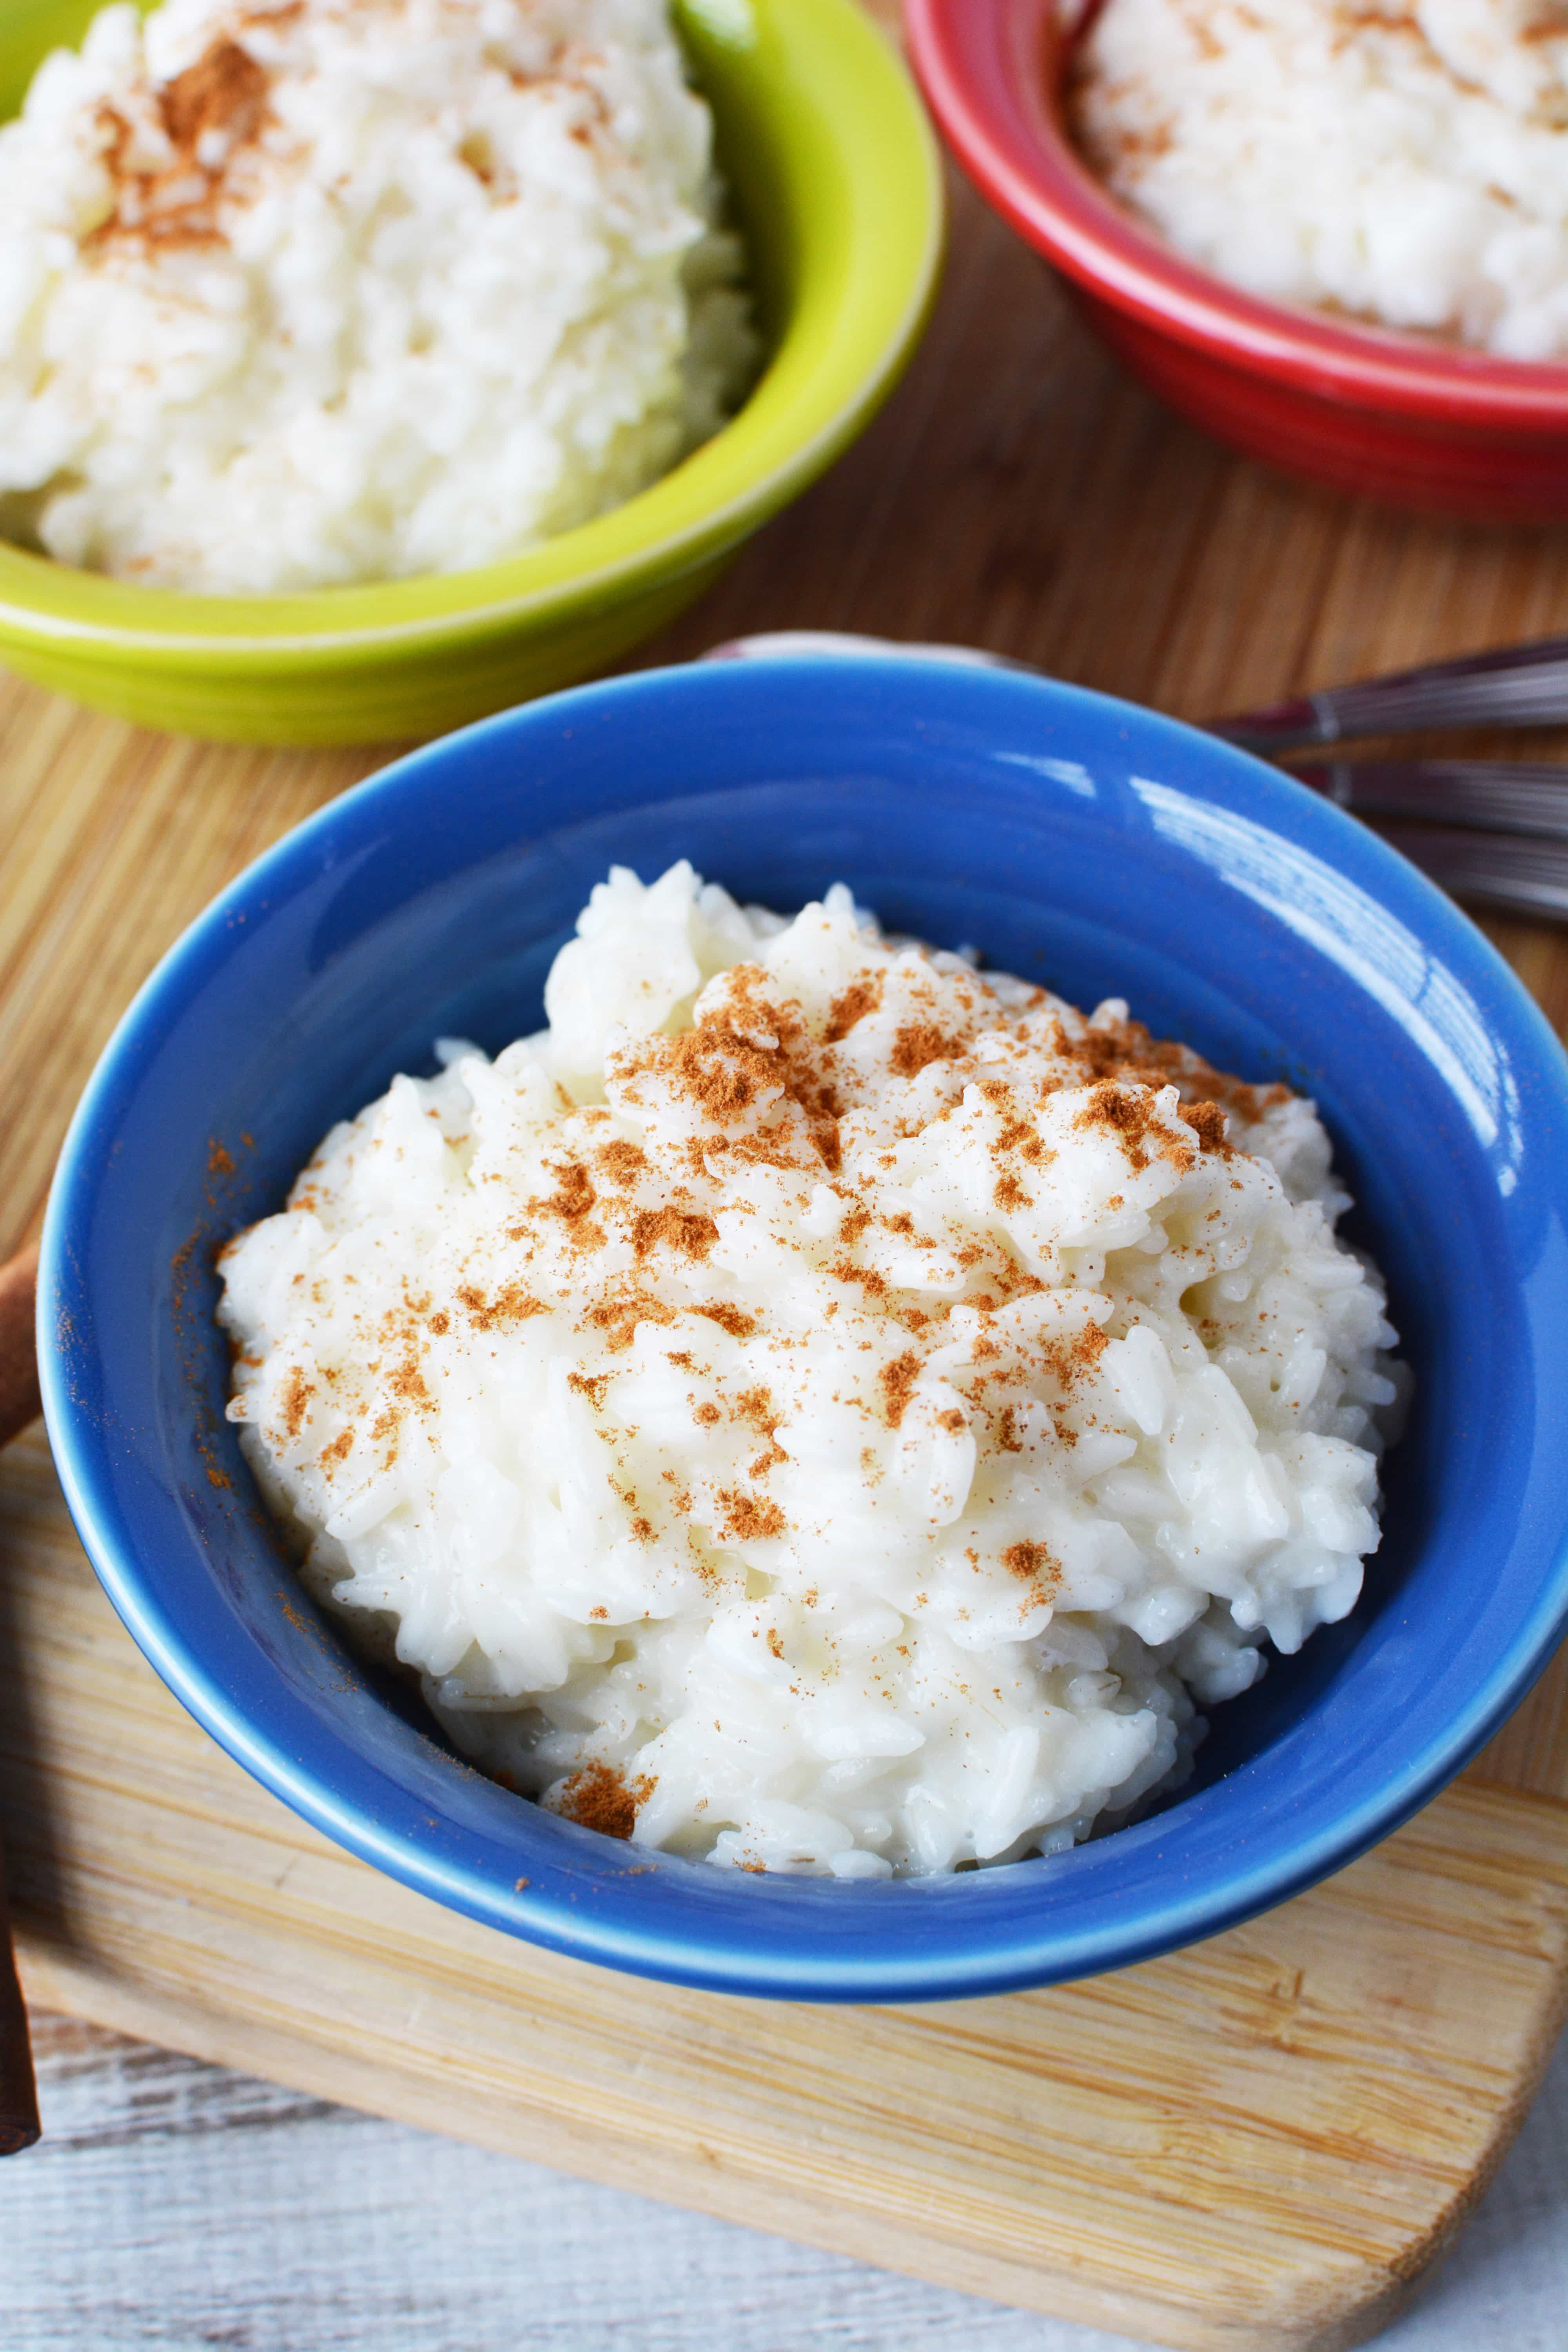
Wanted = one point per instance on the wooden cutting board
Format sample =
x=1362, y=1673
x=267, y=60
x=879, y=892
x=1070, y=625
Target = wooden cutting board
x=1257, y=2143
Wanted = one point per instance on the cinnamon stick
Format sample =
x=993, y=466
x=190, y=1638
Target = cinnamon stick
x=19, y=1405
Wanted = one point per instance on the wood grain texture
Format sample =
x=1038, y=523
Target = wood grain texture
x=225, y=2211
x=1255, y=2144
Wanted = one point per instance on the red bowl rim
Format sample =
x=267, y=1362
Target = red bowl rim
x=980, y=63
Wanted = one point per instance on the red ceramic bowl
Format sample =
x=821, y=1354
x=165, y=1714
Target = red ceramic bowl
x=1387, y=414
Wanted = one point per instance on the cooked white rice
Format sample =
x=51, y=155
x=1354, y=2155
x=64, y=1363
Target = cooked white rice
x=815, y=1406
x=1403, y=160
x=299, y=292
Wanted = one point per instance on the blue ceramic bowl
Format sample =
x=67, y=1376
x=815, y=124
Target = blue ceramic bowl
x=1080, y=841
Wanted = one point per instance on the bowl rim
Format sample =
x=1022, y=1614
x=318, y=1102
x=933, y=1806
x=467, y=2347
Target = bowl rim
x=703, y=506
x=980, y=63
x=386, y=1835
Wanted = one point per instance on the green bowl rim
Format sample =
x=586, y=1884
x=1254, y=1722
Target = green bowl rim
x=581, y=575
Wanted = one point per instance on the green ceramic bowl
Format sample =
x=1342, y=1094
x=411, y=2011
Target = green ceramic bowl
x=836, y=182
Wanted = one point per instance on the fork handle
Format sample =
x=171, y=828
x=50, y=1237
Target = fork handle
x=1492, y=869
x=1522, y=685
x=18, y=1405
x=1518, y=796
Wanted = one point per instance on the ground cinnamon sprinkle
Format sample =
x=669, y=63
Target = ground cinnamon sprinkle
x=744, y=1056
x=214, y=107
x=1021, y=1135
x=407, y=1381
x=734, y=1319
x=918, y=1043
x=294, y=1400
x=1130, y=1114
x=599, y=1797
x=1125, y=1050
x=574, y=1196
x=850, y=1005
x=1070, y=1359
x=747, y=1520
x=1207, y=1121
x=897, y=1381
x=1247, y=1102
x=873, y=1284
x=224, y=90
x=825, y=1135
x=752, y=1009
x=1033, y=1563
x=755, y=1407
x=690, y=1233
x=622, y=1311
x=511, y=1304
x=623, y=1161
x=573, y=1201
x=716, y=1069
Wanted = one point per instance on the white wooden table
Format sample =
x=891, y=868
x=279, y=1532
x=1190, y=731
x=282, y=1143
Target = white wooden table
x=182, y=2206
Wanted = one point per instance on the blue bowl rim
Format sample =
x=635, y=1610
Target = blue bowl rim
x=671, y=1956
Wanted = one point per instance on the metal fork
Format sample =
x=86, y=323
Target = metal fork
x=1519, y=685
x=1494, y=831
x=1490, y=869
x=1486, y=795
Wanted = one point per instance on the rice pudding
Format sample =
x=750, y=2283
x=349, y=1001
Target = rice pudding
x=325, y=291
x=1405, y=161
x=817, y=1406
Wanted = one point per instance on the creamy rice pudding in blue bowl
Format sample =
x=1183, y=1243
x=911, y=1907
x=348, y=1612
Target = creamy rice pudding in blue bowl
x=844, y=1330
